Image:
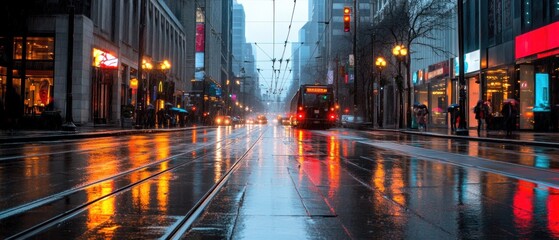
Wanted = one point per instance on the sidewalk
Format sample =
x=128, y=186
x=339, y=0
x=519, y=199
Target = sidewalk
x=81, y=132
x=547, y=139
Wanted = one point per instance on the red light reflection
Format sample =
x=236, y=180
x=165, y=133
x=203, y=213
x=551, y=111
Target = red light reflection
x=553, y=212
x=523, y=206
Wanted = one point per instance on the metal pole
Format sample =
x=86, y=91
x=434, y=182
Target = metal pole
x=69, y=124
x=401, y=119
x=140, y=89
x=462, y=128
x=410, y=85
x=355, y=63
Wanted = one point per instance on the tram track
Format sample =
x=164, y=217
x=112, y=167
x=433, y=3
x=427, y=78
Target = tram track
x=187, y=220
x=59, y=217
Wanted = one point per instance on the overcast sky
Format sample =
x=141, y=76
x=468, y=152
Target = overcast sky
x=259, y=29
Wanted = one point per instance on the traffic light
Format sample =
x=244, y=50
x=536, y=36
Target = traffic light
x=347, y=19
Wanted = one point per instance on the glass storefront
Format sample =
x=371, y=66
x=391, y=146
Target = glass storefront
x=439, y=103
x=473, y=98
x=39, y=74
x=38, y=94
x=499, y=87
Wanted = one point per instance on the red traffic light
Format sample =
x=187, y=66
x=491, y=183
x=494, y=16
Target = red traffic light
x=347, y=19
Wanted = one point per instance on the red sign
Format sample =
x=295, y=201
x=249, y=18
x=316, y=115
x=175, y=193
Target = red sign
x=200, y=37
x=537, y=41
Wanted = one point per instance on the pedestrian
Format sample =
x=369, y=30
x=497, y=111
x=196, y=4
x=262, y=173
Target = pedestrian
x=481, y=111
x=421, y=115
x=453, y=112
x=509, y=116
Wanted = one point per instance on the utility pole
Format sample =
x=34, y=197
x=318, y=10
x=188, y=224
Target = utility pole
x=69, y=124
x=462, y=128
x=355, y=60
x=141, y=43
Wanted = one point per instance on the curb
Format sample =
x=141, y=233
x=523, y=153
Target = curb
x=479, y=139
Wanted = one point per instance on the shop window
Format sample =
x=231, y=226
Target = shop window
x=499, y=88
x=38, y=48
x=38, y=95
x=542, y=93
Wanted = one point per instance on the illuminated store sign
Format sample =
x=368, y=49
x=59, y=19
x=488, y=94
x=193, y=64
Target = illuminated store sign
x=437, y=70
x=537, y=41
x=104, y=59
x=471, y=63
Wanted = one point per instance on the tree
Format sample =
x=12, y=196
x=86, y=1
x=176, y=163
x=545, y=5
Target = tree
x=413, y=24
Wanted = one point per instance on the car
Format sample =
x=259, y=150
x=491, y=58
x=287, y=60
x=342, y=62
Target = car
x=347, y=120
x=261, y=119
x=286, y=121
x=223, y=121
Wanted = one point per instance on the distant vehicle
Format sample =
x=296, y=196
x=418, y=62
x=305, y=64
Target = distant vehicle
x=347, y=120
x=223, y=121
x=237, y=120
x=286, y=121
x=313, y=107
x=261, y=119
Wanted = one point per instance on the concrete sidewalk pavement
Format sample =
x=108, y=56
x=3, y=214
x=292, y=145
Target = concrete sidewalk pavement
x=81, y=132
x=546, y=139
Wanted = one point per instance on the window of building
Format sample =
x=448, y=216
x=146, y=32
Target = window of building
x=499, y=88
x=526, y=14
x=555, y=9
x=38, y=48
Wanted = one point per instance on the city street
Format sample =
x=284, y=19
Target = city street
x=277, y=182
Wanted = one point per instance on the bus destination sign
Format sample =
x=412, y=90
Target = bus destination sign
x=316, y=90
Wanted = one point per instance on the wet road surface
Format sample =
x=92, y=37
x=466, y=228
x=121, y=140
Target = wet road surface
x=336, y=185
x=278, y=183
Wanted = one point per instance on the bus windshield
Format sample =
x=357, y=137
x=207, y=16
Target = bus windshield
x=316, y=100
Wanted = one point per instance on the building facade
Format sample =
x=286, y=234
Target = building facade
x=105, y=57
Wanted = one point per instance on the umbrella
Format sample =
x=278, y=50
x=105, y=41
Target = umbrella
x=421, y=106
x=438, y=110
x=453, y=106
x=180, y=110
x=151, y=107
x=510, y=100
x=168, y=104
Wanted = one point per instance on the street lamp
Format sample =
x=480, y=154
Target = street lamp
x=147, y=66
x=380, y=64
x=400, y=52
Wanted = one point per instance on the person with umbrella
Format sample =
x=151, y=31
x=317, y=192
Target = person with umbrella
x=481, y=111
x=421, y=115
x=509, y=112
x=453, y=109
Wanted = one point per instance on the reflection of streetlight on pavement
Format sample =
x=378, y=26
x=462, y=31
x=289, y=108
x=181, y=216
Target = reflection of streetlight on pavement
x=400, y=52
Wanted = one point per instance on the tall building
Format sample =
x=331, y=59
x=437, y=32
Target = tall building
x=213, y=58
x=238, y=39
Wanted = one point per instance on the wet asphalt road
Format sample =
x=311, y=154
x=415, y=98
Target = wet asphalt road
x=287, y=184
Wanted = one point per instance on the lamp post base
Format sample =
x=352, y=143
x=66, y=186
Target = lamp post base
x=69, y=126
x=462, y=132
